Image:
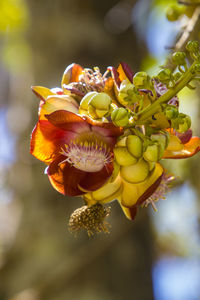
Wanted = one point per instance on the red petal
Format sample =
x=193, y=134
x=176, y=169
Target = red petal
x=184, y=137
x=125, y=72
x=71, y=74
x=47, y=140
x=69, y=121
x=95, y=180
x=65, y=178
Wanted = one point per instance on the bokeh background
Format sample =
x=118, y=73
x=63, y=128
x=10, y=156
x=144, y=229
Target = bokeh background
x=155, y=257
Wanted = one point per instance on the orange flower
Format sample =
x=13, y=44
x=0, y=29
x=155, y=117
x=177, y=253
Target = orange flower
x=77, y=150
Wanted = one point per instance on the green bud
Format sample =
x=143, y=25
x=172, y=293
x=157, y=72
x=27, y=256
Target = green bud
x=128, y=94
x=152, y=153
x=123, y=157
x=120, y=117
x=196, y=68
x=86, y=99
x=178, y=58
x=171, y=112
x=162, y=140
x=134, y=145
x=193, y=46
x=141, y=79
x=165, y=75
x=184, y=123
x=177, y=76
x=174, y=12
x=99, y=106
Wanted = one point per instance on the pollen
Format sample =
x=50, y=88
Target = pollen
x=87, y=156
x=89, y=218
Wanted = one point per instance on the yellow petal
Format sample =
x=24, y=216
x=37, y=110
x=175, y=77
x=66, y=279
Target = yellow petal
x=42, y=92
x=130, y=213
x=137, y=193
x=135, y=173
x=106, y=193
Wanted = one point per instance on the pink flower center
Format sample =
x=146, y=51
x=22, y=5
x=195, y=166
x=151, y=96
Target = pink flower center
x=87, y=156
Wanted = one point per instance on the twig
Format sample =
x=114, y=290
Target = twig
x=185, y=36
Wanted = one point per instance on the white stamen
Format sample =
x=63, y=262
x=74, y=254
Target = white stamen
x=88, y=157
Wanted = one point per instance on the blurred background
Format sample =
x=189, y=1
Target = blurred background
x=155, y=257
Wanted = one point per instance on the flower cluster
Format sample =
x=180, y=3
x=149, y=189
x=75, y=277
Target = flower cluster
x=103, y=136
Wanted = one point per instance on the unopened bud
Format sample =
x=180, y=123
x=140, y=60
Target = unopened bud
x=162, y=140
x=196, y=68
x=86, y=99
x=165, y=75
x=135, y=173
x=171, y=112
x=152, y=153
x=134, y=145
x=178, y=58
x=184, y=123
x=99, y=106
x=120, y=117
x=193, y=46
x=177, y=76
x=128, y=94
x=141, y=79
x=123, y=157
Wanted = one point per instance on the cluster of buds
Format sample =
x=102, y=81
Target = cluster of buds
x=103, y=136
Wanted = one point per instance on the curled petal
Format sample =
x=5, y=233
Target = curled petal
x=71, y=181
x=71, y=74
x=57, y=102
x=130, y=213
x=64, y=177
x=125, y=72
x=94, y=180
x=42, y=92
x=136, y=194
x=68, y=121
x=47, y=140
x=187, y=150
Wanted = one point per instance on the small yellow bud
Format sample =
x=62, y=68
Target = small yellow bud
x=152, y=153
x=123, y=157
x=135, y=173
x=134, y=145
x=120, y=117
x=100, y=105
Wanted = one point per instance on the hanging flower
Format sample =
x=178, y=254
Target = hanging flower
x=103, y=136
